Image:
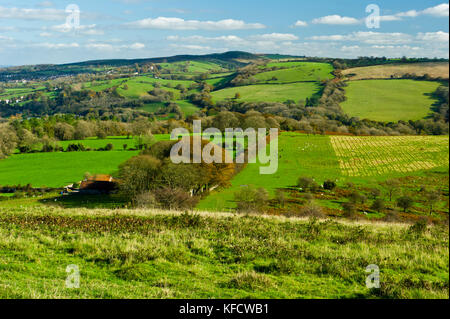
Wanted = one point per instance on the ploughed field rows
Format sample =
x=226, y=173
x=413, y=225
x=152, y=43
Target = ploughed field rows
x=381, y=155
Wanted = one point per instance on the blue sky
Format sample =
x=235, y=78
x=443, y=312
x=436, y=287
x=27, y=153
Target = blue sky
x=33, y=32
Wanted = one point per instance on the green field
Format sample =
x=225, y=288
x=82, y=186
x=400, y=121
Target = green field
x=61, y=169
x=11, y=93
x=298, y=155
x=389, y=100
x=363, y=160
x=191, y=67
x=269, y=92
x=117, y=141
x=58, y=169
x=296, y=72
x=154, y=254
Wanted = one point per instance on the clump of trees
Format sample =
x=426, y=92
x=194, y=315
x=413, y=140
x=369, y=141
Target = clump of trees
x=8, y=140
x=172, y=186
x=250, y=199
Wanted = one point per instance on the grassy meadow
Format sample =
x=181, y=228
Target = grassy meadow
x=269, y=92
x=60, y=169
x=296, y=72
x=156, y=254
x=389, y=100
x=298, y=155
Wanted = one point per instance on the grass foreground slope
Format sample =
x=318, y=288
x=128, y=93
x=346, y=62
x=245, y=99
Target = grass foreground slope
x=156, y=254
x=389, y=100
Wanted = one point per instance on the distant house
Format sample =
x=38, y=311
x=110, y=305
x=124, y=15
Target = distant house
x=98, y=184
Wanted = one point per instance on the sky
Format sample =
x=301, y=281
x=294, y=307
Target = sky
x=41, y=32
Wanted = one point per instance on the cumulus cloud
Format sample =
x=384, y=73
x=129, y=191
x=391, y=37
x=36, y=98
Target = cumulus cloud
x=336, y=20
x=439, y=36
x=58, y=45
x=100, y=46
x=82, y=29
x=45, y=4
x=367, y=37
x=203, y=39
x=32, y=14
x=111, y=47
x=5, y=38
x=181, y=24
x=351, y=48
x=390, y=18
x=334, y=37
x=300, y=23
x=191, y=47
x=409, y=14
x=275, y=37
x=137, y=46
x=438, y=11
x=441, y=10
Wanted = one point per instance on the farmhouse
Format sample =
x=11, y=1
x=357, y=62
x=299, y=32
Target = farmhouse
x=97, y=184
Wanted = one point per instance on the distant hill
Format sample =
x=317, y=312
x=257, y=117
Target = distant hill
x=231, y=60
x=229, y=57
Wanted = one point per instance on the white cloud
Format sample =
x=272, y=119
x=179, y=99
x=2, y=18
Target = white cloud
x=191, y=47
x=335, y=37
x=439, y=36
x=82, y=29
x=45, y=34
x=438, y=11
x=367, y=37
x=181, y=24
x=5, y=38
x=137, y=46
x=46, y=4
x=410, y=14
x=336, y=20
x=275, y=37
x=100, y=46
x=32, y=14
x=300, y=23
x=390, y=18
x=202, y=39
x=392, y=47
x=111, y=47
x=351, y=48
x=58, y=45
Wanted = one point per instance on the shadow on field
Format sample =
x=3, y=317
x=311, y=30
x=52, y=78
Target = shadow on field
x=85, y=201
